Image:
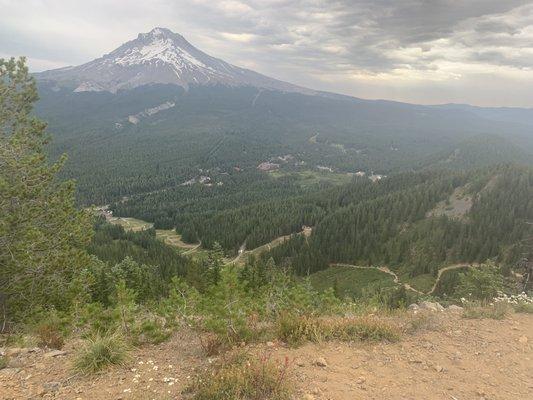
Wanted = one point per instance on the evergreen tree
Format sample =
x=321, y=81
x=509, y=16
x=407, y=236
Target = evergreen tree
x=42, y=234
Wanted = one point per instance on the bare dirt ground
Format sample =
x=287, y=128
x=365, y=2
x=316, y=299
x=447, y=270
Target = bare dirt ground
x=460, y=359
x=153, y=372
x=454, y=358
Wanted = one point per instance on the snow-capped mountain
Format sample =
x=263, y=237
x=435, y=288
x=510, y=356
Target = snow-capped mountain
x=159, y=56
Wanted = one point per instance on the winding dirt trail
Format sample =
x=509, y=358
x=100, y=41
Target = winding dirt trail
x=243, y=253
x=385, y=270
x=449, y=268
x=192, y=249
x=396, y=279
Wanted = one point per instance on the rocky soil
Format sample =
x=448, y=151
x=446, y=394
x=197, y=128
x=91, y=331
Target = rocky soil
x=449, y=358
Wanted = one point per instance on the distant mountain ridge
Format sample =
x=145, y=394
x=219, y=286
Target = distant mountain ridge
x=159, y=57
x=480, y=151
x=152, y=113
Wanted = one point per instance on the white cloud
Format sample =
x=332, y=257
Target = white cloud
x=238, y=37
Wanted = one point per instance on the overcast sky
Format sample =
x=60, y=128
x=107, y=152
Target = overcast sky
x=420, y=51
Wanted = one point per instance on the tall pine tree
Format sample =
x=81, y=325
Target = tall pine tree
x=42, y=234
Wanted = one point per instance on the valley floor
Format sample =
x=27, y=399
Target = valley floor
x=451, y=358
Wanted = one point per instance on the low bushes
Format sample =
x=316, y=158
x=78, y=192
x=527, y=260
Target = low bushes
x=521, y=303
x=499, y=306
x=525, y=308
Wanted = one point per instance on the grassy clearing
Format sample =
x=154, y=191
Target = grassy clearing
x=424, y=283
x=478, y=311
x=456, y=206
x=298, y=330
x=350, y=282
x=309, y=178
x=244, y=377
x=131, y=224
x=101, y=352
x=170, y=237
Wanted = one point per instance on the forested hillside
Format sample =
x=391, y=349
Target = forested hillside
x=479, y=151
x=122, y=144
x=415, y=222
x=418, y=227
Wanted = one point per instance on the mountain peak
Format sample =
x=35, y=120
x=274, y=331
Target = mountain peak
x=160, y=57
x=162, y=47
x=159, y=32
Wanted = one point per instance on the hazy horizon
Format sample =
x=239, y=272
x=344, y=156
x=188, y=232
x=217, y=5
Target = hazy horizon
x=478, y=53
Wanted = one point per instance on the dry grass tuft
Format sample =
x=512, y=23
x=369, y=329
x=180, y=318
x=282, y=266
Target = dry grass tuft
x=211, y=344
x=49, y=335
x=422, y=321
x=101, y=352
x=495, y=311
x=297, y=330
x=3, y=362
x=244, y=378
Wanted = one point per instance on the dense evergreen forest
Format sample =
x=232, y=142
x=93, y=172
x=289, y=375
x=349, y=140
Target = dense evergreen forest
x=407, y=221
x=194, y=168
x=212, y=130
x=112, y=244
x=399, y=229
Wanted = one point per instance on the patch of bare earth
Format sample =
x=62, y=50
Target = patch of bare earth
x=454, y=358
x=154, y=372
x=458, y=204
x=460, y=359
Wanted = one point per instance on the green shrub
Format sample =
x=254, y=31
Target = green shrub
x=392, y=297
x=96, y=319
x=244, y=378
x=150, y=331
x=101, y=352
x=482, y=283
x=50, y=327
